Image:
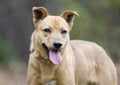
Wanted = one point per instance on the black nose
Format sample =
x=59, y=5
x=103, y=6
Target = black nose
x=57, y=45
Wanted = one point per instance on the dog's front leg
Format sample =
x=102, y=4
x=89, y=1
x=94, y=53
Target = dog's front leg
x=33, y=75
x=34, y=80
x=65, y=77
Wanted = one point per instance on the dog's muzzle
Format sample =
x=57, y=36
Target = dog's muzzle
x=54, y=53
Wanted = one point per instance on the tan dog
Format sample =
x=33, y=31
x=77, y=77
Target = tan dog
x=54, y=57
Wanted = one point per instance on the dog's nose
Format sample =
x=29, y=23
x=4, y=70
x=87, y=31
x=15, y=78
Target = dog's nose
x=57, y=45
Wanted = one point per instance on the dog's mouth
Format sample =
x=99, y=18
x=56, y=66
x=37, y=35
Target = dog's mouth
x=54, y=54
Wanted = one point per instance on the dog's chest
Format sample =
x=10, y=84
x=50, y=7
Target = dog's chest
x=47, y=71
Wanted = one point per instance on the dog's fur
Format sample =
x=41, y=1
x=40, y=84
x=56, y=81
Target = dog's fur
x=83, y=63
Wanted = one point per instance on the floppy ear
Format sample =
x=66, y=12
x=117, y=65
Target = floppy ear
x=39, y=13
x=69, y=16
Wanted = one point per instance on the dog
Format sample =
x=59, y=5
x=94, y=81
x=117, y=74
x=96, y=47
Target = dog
x=54, y=57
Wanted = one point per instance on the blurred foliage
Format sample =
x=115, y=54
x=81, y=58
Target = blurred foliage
x=7, y=52
x=99, y=21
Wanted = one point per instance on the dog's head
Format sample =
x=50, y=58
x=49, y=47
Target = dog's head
x=51, y=33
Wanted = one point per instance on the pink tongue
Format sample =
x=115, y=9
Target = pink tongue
x=55, y=57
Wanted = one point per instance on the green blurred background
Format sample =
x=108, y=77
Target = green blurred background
x=99, y=21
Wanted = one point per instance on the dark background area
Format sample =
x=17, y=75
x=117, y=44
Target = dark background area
x=99, y=21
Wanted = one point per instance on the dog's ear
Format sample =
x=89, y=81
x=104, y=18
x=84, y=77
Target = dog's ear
x=69, y=16
x=39, y=13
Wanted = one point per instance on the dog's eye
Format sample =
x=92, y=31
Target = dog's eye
x=63, y=31
x=47, y=30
